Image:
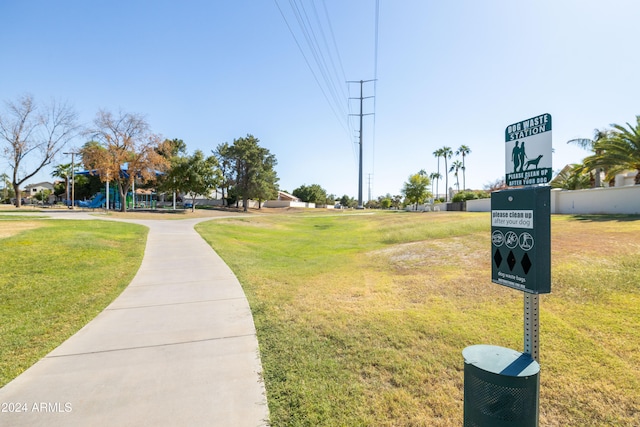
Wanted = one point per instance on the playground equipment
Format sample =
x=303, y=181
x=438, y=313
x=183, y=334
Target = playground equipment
x=113, y=199
x=97, y=202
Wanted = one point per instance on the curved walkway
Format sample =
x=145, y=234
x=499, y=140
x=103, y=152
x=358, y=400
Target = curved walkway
x=178, y=347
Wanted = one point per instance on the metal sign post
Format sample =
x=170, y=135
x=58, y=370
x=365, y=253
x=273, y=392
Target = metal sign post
x=502, y=386
x=531, y=325
x=528, y=153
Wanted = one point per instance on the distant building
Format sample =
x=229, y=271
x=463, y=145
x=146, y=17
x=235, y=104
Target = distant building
x=287, y=197
x=33, y=189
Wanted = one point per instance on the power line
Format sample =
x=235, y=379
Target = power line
x=375, y=86
x=313, y=34
x=312, y=41
x=315, y=77
x=326, y=44
x=335, y=45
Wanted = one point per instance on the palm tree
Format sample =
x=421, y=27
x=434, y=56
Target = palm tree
x=446, y=153
x=589, y=144
x=463, y=151
x=572, y=177
x=438, y=153
x=455, y=168
x=434, y=176
x=63, y=171
x=619, y=151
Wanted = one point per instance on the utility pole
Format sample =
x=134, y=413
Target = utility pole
x=360, y=205
x=369, y=181
x=73, y=180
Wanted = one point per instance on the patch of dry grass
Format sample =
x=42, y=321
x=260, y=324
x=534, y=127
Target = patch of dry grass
x=8, y=229
x=362, y=319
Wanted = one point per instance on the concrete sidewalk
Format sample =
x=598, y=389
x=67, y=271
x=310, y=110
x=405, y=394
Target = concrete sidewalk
x=177, y=348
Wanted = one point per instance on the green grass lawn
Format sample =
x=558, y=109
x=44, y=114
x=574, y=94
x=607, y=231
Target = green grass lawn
x=362, y=319
x=55, y=276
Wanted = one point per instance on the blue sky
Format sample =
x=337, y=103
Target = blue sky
x=448, y=73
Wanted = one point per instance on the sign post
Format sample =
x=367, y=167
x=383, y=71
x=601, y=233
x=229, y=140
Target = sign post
x=528, y=152
x=502, y=385
x=520, y=250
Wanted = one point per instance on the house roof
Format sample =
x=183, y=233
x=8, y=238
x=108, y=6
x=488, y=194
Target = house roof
x=286, y=196
x=39, y=184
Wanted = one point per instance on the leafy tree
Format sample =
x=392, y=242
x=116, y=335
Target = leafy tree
x=32, y=136
x=42, y=195
x=266, y=182
x=7, y=192
x=618, y=152
x=232, y=196
x=396, y=202
x=59, y=189
x=456, y=166
x=172, y=148
x=372, y=204
x=385, y=202
x=463, y=151
x=254, y=169
x=348, y=202
x=416, y=189
x=86, y=186
x=121, y=142
x=313, y=193
x=174, y=151
x=195, y=175
x=225, y=162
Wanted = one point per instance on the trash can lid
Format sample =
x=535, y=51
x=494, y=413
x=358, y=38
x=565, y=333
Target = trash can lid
x=500, y=360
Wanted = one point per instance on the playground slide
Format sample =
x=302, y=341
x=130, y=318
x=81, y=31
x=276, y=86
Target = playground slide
x=97, y=201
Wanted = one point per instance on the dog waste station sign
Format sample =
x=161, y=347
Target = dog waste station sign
x=528, y=151
x=501, y=385
x=520, y=218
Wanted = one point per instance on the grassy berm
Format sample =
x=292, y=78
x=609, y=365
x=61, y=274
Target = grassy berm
x=362, y=318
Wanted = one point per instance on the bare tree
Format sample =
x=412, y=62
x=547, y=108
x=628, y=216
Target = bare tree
x=32, y=136
x=123, y=150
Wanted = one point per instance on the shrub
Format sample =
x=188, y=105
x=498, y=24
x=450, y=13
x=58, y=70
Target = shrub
x=463, y=196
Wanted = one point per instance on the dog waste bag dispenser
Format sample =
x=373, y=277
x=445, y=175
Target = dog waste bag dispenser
x=521, y=239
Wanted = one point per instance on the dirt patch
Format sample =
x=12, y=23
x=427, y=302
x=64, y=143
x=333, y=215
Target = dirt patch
x=428, y=254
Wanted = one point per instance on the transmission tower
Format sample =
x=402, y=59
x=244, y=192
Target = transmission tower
x=361, y=98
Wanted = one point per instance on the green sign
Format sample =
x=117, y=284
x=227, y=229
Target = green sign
x=528, y=151
x=521, y=239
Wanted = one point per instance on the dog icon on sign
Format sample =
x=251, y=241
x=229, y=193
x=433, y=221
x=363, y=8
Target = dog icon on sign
x=511, y=239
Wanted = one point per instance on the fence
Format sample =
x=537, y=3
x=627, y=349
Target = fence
x=611, y=200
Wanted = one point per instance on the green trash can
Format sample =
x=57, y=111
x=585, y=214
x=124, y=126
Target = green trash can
x=501, y=387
